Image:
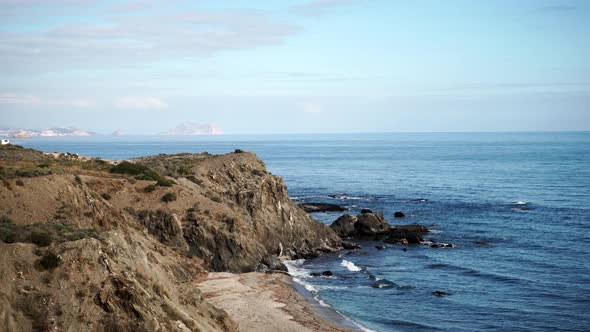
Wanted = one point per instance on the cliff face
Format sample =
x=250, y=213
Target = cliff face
x=86, y=245
x=242, y=217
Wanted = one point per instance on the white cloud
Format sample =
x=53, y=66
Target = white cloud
x=122, y=39
x=141, y=103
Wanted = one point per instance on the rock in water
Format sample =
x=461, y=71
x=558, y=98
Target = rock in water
x=320, y=207
x=440, y=293
x=344, y=226
x=349, y=245
x=406, y=234
x=399, y=214
x=370, y=224
x=363, y=211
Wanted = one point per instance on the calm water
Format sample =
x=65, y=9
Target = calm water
x=516, y=267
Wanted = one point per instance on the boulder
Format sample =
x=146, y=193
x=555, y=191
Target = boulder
x=398, y=214
x=327, y=274
x=407, y=234
x=320, y=207
x=344, y=226
x=350, y=245
x=363, y=211
x=370, y=224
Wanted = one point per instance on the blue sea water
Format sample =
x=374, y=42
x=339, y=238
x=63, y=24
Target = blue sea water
x=515, y=205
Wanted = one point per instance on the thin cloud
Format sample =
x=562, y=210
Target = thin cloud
x=141, y=103
x=14, y=99
x=127, y=39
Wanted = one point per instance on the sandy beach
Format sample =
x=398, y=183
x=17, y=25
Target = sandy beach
x=264, y=302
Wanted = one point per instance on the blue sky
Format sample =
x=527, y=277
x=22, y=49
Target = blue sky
x=318, y=66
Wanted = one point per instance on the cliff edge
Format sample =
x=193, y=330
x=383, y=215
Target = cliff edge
x=88, y=244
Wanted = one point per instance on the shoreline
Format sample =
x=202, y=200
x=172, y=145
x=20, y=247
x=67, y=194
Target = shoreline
x=270, y=302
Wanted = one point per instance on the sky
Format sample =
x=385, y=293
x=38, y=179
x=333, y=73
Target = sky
x=296, y=66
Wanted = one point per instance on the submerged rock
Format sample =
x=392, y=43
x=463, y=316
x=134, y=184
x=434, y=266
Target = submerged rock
x=440, y=293
x=380, y=247
x=321, y=207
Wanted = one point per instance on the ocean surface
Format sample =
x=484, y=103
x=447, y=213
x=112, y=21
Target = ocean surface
x=516, y=206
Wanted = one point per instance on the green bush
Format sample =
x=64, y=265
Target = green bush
x=149, y=188
x=216, y=199
x=106, y=196
x=20, y=182
x=169, y=197
x=257, y=172
x=31, y=172
x=165, y=183
x=193, y=179
x=238, y=151
x=78, y=180
x=126, y=167
x=141, y=172
x=41, y=238
x=49, y=261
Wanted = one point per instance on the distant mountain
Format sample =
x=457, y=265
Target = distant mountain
x=56, y=131
x=191, y=128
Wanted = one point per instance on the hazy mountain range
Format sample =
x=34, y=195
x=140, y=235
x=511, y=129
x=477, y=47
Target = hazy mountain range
x=183, y=129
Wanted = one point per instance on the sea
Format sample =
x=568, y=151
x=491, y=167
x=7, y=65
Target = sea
x=515, y=207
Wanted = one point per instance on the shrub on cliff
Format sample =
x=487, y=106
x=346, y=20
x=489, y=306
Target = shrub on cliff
x=193, y=179
x=149, y=188
x=106, y=196
x=141, y=172
x=168, y=197
x=165, y=183
x=49, y=261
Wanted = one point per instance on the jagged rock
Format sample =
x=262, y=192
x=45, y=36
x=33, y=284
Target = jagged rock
x=349, y=245
x=165, y=226
x=380, y=247
x=398, y=214
x=370, y=224
x=344, y=226
x=406, y=234
x=327, y=274
x=320, y=207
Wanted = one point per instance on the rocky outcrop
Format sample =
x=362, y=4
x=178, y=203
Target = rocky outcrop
x=407, y=234
x=364, y=224
x=371, y=224
x=127, y=259
x=321, y=207
x=344, y=226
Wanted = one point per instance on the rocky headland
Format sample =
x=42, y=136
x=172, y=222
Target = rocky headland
x=94, y=245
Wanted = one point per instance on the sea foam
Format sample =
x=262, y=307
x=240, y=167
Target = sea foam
x=350, y=266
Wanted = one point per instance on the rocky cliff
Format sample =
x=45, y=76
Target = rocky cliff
x=88, y=244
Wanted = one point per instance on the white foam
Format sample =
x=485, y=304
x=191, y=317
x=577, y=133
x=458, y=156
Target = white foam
x=520, y=203
x=350, y=266
x=295, y=269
